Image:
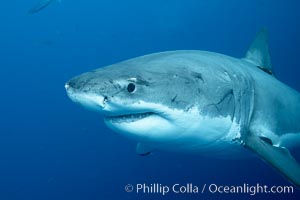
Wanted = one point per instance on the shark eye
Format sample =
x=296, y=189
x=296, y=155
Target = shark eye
x=131, y=87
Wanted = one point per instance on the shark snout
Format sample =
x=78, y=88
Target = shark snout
x=67, y=86
x=88, y=100
x=76, y=83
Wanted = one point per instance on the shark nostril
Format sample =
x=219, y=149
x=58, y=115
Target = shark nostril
x=105, y=99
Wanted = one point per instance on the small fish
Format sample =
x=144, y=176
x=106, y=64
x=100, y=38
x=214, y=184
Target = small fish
x=41, y=5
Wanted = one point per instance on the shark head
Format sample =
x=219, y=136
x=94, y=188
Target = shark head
x=159, y=99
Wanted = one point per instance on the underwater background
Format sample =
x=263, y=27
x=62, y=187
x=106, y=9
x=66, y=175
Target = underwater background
x=51, y=148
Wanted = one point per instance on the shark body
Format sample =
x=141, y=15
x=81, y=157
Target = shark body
x=195, y=101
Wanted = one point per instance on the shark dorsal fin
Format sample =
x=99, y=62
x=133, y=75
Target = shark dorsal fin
x=258, y=53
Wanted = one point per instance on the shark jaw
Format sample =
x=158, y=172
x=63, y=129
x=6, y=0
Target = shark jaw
x=148, y=127
x=141, y=121
x=158, y=125
x=128, y=118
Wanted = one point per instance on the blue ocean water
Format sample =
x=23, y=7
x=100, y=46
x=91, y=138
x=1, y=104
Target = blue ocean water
x=51, y=148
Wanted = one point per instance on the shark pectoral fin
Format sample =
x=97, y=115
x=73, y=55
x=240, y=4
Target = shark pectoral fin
x=278, y=157
x=143, y=150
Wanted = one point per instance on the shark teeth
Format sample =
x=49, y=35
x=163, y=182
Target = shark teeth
x=128, y=117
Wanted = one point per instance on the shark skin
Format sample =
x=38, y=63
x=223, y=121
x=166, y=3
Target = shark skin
x=198, y=101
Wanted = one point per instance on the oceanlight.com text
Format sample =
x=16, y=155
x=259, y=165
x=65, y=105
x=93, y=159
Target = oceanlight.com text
x=190, y=188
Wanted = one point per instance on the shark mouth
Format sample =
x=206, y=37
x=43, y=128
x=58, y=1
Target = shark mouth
x=128, y=118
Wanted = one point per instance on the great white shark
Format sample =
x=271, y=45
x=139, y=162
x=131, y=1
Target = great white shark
x=198, y=101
